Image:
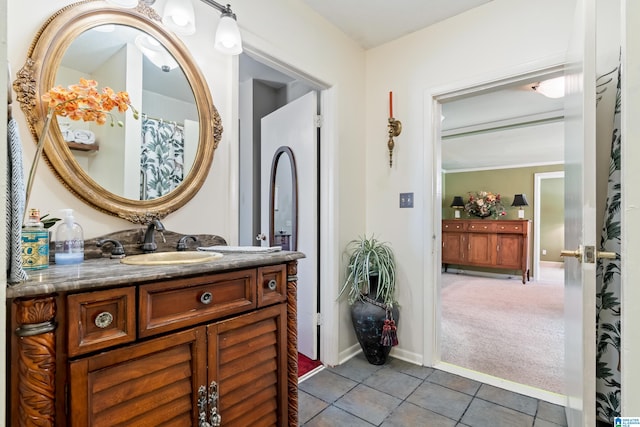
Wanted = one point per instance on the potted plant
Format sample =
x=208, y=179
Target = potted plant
x=370, y=286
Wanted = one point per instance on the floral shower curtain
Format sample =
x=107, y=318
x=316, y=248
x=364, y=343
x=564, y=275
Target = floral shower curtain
x=162, y=157
x=608, y=289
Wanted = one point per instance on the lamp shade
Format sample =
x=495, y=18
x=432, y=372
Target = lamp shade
x=457, y=202
x=179, y=17
x=520, y=200
x=228, y=38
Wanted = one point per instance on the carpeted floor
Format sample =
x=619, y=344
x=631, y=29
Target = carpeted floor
x=505, y=329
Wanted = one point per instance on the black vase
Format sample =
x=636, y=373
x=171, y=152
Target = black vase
x=368, y=320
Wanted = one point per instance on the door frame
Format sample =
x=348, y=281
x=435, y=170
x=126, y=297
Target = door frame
x=538, y=178
x=328, y=251
x=433, y=99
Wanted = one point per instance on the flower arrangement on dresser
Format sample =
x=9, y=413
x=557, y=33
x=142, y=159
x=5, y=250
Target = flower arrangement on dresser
x=484, y=204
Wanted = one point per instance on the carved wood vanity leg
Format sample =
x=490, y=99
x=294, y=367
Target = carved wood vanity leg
x=36, y=362
x=292, y=340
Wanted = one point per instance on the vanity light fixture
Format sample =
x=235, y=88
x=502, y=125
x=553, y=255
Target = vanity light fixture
x=552, y=88
x=228, y=38
x=178, y=15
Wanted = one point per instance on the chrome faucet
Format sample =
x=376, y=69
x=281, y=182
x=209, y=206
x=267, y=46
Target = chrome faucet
x=149, y=244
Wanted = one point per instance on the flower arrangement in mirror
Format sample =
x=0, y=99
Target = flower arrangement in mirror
x=485, y=204
x=80, y=101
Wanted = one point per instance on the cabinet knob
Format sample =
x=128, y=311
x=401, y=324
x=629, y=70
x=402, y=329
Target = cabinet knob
x=206, y=298
x=103, y=319
x=272, y=285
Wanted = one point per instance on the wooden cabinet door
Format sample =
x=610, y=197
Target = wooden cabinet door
x=481, y=248
x=510, y=251
x=248, y=360
x=148, y=384
x=453, y=245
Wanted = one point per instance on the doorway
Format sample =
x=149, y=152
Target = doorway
x=495, y=142
x=267, y=89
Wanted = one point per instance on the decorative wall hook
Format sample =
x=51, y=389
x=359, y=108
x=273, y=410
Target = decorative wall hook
x=395, y=128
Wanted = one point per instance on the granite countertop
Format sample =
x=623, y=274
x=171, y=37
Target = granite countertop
x=101, y=273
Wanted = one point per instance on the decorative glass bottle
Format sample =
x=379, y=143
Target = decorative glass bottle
x=35, y=243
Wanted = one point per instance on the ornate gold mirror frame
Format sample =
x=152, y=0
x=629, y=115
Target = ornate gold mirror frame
x=38, y=76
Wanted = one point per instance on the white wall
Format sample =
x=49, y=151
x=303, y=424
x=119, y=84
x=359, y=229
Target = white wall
x=495, y=40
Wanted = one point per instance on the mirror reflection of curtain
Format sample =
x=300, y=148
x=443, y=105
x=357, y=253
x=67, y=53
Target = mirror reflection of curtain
x=162, y=157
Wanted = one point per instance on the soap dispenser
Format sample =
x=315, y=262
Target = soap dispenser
x=69, y=240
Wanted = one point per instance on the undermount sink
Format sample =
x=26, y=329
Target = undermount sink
x=169, y=258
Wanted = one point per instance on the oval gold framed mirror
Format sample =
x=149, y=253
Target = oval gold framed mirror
x=59, y=40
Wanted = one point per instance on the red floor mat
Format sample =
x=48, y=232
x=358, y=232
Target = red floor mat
x=306, y=365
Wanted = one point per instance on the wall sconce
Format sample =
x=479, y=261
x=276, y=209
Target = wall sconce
x=395, y=128
x=457, y=204
x=228, y=38
x=520, y=200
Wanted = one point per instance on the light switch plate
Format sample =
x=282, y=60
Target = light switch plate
x=406, y=200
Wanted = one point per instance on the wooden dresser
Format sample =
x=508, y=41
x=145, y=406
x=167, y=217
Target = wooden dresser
x=500, y=244
x=105, y=344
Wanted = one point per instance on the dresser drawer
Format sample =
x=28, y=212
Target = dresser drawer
x=100, y=319
x=173, y=304
x=518, y=228
x=456, y=225
x=481, y=227
x=272, y=285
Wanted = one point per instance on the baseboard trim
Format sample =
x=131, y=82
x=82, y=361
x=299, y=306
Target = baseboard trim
x=547, y=396
x=396, y=353
x=488, y=274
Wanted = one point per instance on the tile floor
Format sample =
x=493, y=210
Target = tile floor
x=398, y=393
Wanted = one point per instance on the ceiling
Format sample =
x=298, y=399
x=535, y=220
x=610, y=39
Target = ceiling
x=375, y=22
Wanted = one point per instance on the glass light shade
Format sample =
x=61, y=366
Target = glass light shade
x=552, y=88
x=128, y=4
x=155, y=52
x=179, y=17
x=228, y=38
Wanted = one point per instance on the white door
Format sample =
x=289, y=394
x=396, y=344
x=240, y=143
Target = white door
x=580, y=214
x=294, y=126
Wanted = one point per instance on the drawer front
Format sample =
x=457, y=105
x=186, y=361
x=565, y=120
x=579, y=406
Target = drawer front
x=452, y=225
x=100, y=319
x=272, y=285
x=514, y=228
x=481, y=227
x=169, y=305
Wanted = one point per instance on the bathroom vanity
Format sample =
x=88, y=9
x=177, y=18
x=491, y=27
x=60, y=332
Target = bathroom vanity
x=103, y=343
